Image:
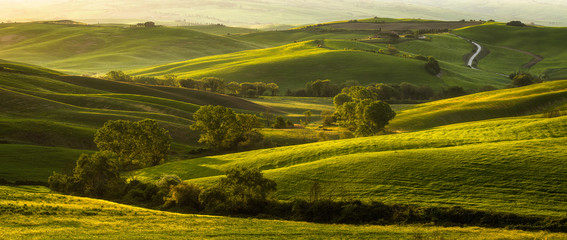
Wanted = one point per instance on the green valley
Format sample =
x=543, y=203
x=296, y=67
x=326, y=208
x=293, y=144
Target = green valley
x=370, y=128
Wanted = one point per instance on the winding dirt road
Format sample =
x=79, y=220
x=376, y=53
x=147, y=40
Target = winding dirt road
x=478, y=49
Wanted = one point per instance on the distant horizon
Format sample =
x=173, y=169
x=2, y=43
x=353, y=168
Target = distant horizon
x=248, y=13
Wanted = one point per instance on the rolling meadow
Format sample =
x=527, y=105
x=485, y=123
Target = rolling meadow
x=497, y=151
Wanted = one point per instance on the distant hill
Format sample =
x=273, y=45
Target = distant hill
x=293, y=65
x=100, y=48
x=543, y=41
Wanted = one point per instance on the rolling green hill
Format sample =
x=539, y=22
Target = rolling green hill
x=292, y=65
x=510, y=164
x=100, y=48
x=542, y=41
x=451, y=52
x=532, y=99
x=481, y=165
x=36, y=213
x=53, y=117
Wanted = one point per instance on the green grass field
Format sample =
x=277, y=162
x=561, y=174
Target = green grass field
x=450, y=51
x=293, y=65
x=543, y=41
x=527, y=100
x=98, y=49
x=460, y=164
x=35, y=213
x=60, y=114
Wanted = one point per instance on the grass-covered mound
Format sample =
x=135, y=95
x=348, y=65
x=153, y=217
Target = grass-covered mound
x=501, y=164
x=532, y=99
x=43, y=110
x=35, y=213
x=101, y=48
x=546, y=42
x=293, y=65
x=452, y=51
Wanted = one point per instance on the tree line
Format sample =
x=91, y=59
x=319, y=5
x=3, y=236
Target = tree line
x=212, y=84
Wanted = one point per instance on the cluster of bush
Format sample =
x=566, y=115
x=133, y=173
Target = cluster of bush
x=520, y=79
x=212, y=84
x=516, y=24
x=246, y=192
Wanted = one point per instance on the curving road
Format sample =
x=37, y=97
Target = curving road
x=478, y=49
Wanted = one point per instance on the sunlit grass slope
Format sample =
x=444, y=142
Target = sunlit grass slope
x=537, y=98
x=451, y=50
x=35, y=213
x=41, y=111
x=547, y=42
x=99, y=49
x=514, y=164
x=16, y=67
x=293, y=65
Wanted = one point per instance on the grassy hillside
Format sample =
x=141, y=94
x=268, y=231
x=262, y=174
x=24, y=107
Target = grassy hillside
x=17, y=159
x=35, y=213
x=451, y=52
x=482, y=164
x=48, y=119
x=527, y=100
x=461, y=164
x=292, y=65
x=542, y=41
x=99, y=49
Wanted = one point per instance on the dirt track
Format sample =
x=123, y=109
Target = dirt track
x=531, y=63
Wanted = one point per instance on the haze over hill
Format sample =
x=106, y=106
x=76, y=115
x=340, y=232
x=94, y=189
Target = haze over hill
x=250, y=12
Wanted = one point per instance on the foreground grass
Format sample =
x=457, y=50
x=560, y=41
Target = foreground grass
x=35, y=213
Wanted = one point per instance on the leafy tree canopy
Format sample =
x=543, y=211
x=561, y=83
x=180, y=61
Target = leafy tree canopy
x=137, y=144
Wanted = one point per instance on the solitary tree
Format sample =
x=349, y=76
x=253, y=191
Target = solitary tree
x=222, y=128
x=137, y=144
x=274, y=88
x=365, y=116
x=307, y=115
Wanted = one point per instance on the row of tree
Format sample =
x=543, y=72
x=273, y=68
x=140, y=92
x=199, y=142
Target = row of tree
x=213, y=84
x=402, y=92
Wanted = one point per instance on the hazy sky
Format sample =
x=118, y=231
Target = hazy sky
x=255, y=12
